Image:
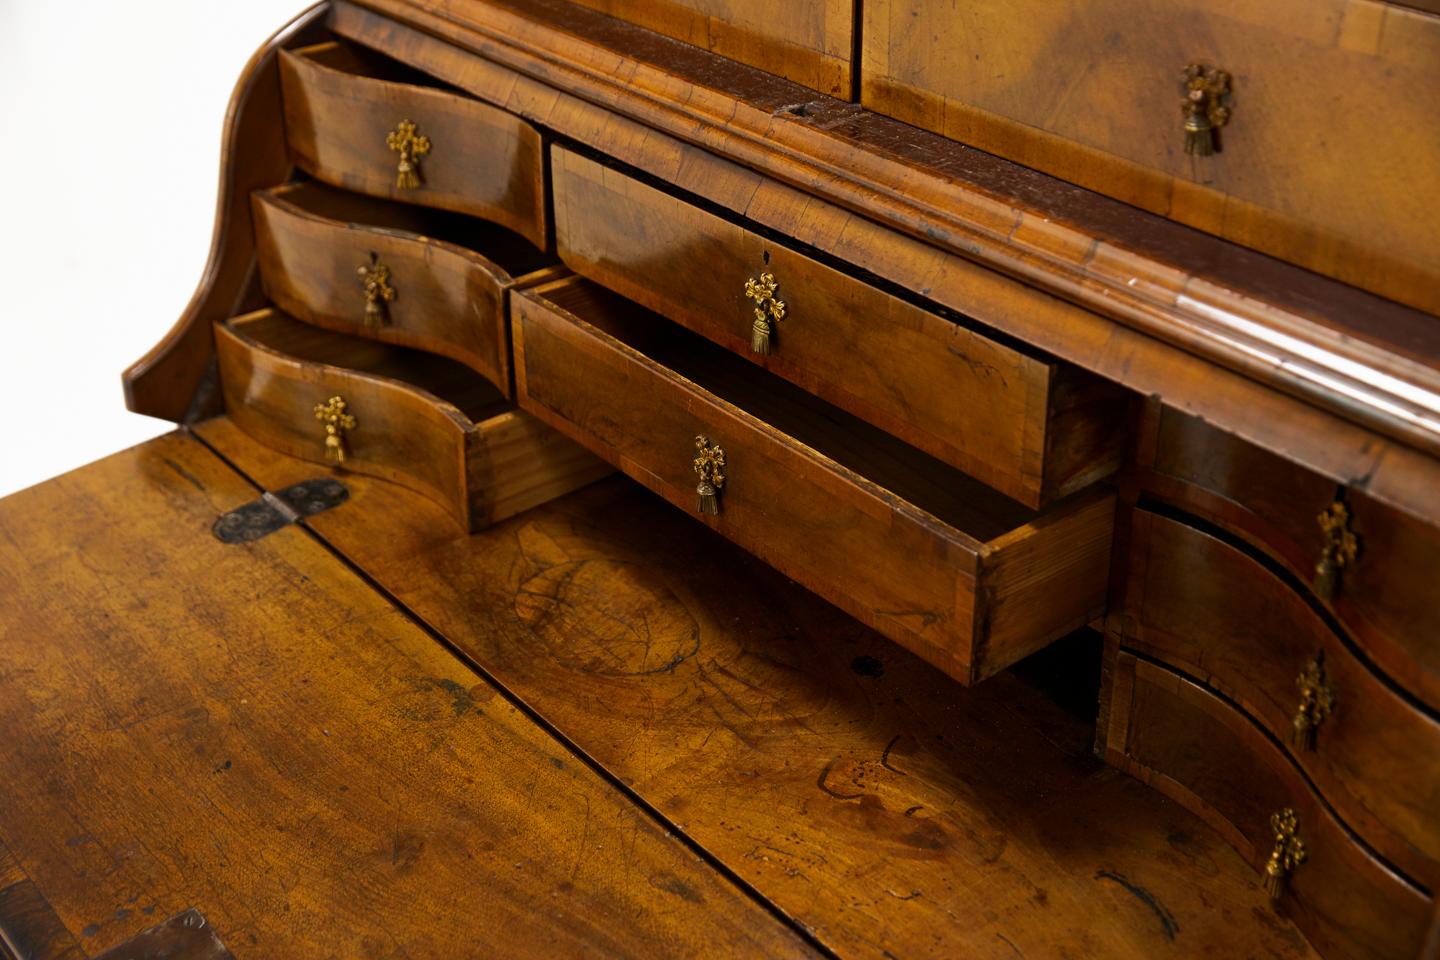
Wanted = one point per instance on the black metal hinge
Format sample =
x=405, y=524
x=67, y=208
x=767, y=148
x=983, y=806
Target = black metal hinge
x=275, y=511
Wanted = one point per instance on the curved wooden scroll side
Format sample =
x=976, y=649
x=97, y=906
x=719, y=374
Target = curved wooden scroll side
x=169, y=382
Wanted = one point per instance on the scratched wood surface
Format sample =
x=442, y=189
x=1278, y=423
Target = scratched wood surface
x=253, y=731
x=885, y=808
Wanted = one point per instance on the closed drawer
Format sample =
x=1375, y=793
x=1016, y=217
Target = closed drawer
x=1328, y=158
x=1030, y=427
x=402, y=274
x=422, y=421
x=1209, y=757
x=1203, y=605
x=1386, y=596
x=964, y=577
x=355, y=120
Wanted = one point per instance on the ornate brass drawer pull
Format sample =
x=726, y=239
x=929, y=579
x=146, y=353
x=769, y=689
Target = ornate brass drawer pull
x=375, y=280
x=1340, y=550
x=1204, y=88
x=411, y=146
x=709, y=466
x=1287, y=853
x=1316, y=702
x=337, y=423
x=767, y=309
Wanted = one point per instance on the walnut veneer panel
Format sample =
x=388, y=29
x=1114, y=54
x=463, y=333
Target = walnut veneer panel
x=1329, y=158
x=254, y=731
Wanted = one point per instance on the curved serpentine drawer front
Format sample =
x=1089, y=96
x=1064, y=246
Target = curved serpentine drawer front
x=419, y=420
x=1206, y=607
x=393, y=272
x=357, y=120
x=933, y=559
x=1194, y=747
x=1324, y=141
x=1385, y=593
x=1031, y=427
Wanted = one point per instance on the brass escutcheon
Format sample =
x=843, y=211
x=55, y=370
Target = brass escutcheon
x=1340, y=550
x=1286, y=854
x=1317, y=700
x=1204, y=88
x=375, y=281
x=709, y=465
x=768, y=310
x=337, y=423
x=411, y=146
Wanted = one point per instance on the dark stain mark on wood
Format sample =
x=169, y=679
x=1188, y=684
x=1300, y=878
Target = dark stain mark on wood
x=195, y=481
x=185, y=936
x=1168, y=925
x=825, y=775
x=868, y=666
x=885, y=756
x=673, y=884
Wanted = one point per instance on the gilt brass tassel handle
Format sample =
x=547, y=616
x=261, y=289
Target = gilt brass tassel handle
x=1204, y=88
x=1317, y=700
x=1287, y=853
x=1340, y=550
x=709, y=466
x=337, y=423
x=375, y=281
x=768, y=311
x=411, y=146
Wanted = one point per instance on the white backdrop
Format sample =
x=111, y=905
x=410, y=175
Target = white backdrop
x=112, y=116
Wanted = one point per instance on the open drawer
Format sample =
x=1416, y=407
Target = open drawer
x=394, y=272
x=358, y=120
x=935, y=560
x=420, y=420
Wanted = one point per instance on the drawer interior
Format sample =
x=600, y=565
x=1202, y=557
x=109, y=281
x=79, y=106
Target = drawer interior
x=363, y=62
x=452, y=382
x=949, y=495
x=505, y=248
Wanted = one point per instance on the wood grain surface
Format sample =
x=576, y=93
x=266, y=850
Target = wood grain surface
x=253, y=731
x=881, y=806
x=341, y=103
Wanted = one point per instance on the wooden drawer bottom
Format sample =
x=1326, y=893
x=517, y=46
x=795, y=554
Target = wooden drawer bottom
x=420, y=420
x=1207, y=755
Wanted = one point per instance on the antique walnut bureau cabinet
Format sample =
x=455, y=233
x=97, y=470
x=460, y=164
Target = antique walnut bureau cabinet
x=851, y=478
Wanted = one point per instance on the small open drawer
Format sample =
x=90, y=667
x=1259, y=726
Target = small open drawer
x=422, y=421
x=407, y=275
x=358, y=120
x=946, y=566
